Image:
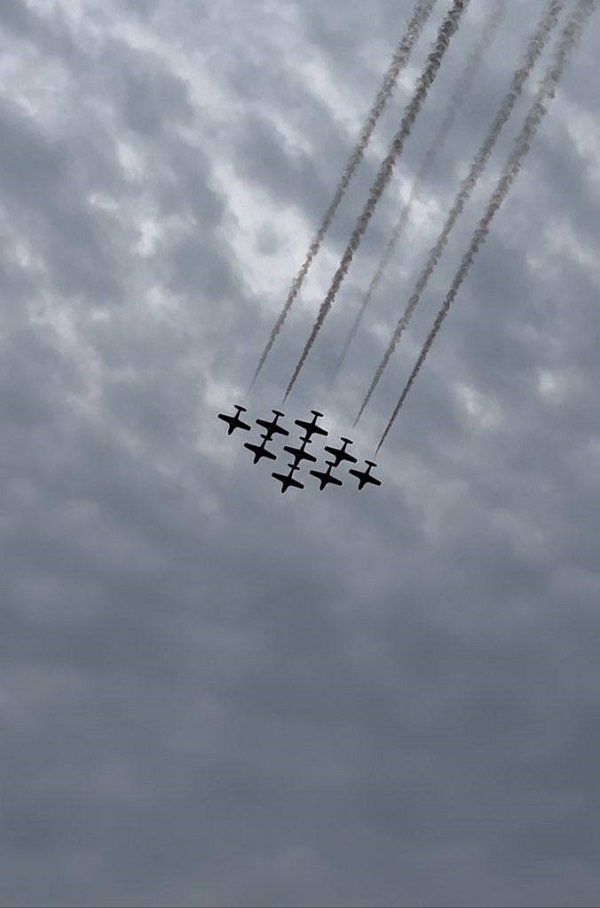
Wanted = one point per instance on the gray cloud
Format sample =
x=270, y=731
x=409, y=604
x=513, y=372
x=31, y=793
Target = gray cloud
x=212, y=693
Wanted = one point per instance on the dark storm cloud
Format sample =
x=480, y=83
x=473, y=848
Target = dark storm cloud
x=211, y=694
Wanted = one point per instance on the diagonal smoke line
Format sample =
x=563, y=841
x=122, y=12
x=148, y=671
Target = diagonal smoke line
x=424, y=83
x=461, y=89
x=568, y=39
x=399, y=60
x=536, y=44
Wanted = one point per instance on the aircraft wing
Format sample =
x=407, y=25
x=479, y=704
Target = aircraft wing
x=299, y=453
x=325, y=478
x=260, y=451
x=286, y=481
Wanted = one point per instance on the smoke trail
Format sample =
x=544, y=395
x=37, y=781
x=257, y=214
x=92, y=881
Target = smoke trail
x=536, y=44
x=569, y=38
x=424, y=83
x=461, y=89
x=399, y=61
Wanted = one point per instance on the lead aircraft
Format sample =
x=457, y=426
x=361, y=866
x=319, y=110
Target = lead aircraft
x=234, y=422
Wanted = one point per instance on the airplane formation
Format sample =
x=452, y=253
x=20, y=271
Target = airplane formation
x=299, y=452
x=540, y=53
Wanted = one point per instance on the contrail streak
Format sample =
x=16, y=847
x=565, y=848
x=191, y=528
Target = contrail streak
x=537, y=42
x=461, y=89
x=569, y=38
x=424, y=83
x=399, y=61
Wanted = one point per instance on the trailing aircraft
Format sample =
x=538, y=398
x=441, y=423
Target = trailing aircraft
x=287, y=480
x=260, y=450
x=325, y=478
x=341, y=454
x=272, y=427
x=299, y=454
x=311, y=428
x=364, y=476
x=234, y=422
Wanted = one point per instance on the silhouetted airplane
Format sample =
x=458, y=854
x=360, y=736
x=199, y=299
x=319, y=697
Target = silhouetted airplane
x=235, y=422
x=365, y=475
x=286, y=479
x=260, y=451
x=299, y=454
x=272, y=427
x=311, y=427
x=341, y=453
x=325, y=477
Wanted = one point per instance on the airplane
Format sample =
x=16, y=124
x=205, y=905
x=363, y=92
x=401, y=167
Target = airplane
x=325, y=477
x=286, y=479
x=235, y=422
x=311, y=427
x=341, y=453
x=272, y=427
x=260, y=451
x=365, y=476
x=300, y=454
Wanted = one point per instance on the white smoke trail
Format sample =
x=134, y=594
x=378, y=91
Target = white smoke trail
x=399, y=60
x=424, y=83
x=535, y=46
x=568, y=39
x=461, y=90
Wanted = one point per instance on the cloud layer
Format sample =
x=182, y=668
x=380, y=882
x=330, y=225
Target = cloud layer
x=215, y=694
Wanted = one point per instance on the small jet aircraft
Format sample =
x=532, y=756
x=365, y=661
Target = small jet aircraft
x=311, y=428
x=234, y=422
x=287, y=480
x=272, y=427
x=341, y=453
x=260, y=450
x=299, y=454
x=325, y=477
x=364, y=476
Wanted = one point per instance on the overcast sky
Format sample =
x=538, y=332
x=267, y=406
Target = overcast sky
x=214, y=694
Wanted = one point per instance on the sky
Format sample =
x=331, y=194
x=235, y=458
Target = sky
x=212, y=694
